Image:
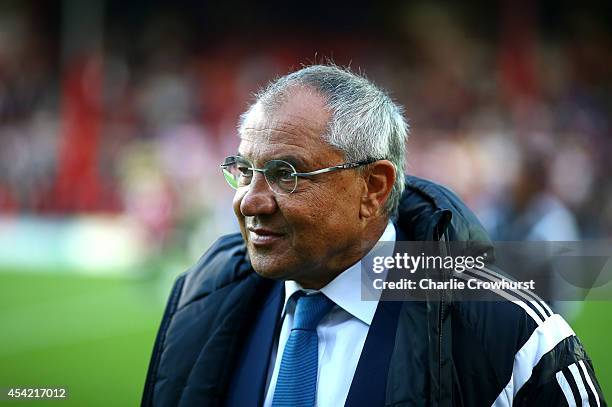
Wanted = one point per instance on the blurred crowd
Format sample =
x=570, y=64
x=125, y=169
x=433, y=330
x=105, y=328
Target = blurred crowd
x=514, y=116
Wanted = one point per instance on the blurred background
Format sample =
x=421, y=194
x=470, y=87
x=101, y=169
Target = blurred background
x=115, y=115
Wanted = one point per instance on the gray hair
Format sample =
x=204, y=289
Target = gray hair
x=365, y=122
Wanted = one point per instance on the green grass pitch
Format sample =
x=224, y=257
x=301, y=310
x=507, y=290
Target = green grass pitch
x=94, y=336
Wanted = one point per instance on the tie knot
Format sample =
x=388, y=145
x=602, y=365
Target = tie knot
x=309, y=310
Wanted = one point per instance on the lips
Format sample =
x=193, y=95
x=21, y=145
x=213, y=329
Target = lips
x=263, y=236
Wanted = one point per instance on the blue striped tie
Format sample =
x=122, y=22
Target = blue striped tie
x=296, y=385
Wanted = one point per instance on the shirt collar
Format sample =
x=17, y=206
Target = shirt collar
x=345, y=289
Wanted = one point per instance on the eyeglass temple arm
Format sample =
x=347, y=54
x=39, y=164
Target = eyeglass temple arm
x=345, y=166
x=302, y=174
x=334, y=168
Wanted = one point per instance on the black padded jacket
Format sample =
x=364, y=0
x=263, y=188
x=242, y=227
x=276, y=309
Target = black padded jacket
x=445, y=354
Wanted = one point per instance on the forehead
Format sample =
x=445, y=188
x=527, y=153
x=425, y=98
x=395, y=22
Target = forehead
x=295, y=128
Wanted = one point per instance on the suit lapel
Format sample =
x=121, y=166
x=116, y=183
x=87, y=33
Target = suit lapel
x=370, y=381
x=248, y=381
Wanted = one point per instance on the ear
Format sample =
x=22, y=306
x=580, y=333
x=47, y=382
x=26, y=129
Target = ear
x=379, y=179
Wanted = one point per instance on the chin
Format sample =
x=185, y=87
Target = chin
x=270, y=272
x=272, y=262
x=268, y=266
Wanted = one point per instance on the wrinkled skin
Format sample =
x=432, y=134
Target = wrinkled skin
x=316, y=232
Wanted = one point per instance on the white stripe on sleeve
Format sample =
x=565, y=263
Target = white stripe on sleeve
x=566, y=389
x=542, y=340
x=531, y=293
x=581, y=389
x=508, y=296
x=589, y=381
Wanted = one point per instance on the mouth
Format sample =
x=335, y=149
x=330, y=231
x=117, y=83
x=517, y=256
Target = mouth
x=262, y=237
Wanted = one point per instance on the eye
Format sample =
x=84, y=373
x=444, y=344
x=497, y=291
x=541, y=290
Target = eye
x=243, y=168
x=280, y=171
x=284, y=174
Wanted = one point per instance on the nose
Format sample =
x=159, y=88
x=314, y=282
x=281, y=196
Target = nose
x=258, y=199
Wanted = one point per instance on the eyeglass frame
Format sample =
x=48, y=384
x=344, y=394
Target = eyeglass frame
x=339, y=167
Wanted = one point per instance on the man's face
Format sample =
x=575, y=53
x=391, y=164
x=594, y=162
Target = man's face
x=314, y=233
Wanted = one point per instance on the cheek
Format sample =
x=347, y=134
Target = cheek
x=344, y=201
x=324, y=215
x=344, y=209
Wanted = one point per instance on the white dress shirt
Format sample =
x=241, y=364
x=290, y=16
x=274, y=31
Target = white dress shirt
x=342, y=333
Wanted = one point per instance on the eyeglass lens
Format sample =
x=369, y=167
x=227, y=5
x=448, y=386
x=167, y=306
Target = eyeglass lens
x=238, y=172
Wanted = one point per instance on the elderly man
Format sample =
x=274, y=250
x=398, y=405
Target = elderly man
x=273, y=316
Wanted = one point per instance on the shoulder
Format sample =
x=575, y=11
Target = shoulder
x=521, y=348
x=224, y=263
x=501, y=330
x=429, y=211
x=208, y=307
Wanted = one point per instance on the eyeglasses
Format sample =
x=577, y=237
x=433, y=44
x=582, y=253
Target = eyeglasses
x=280, y=175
